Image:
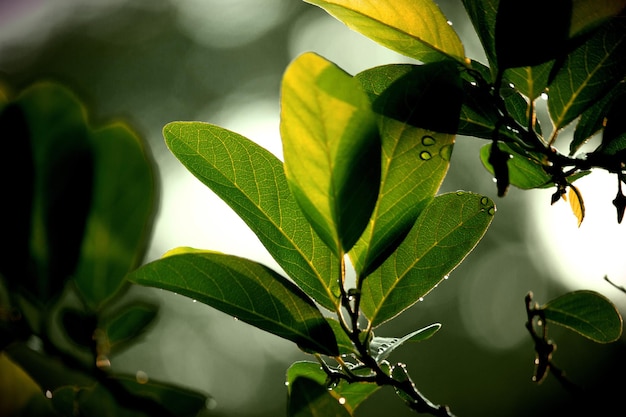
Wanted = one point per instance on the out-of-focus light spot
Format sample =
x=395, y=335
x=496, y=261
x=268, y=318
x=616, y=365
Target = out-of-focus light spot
x=141, y=377
x=493, y=297
x=333, y=40
x=229, y=23
x=581, y=257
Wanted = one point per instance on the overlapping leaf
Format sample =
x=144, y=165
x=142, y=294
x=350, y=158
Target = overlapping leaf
x=588, y=73
x=419, y=109
x=246, y=290
x=445, y=232
x=331, y=148
x=251, y=180
x=415, y=28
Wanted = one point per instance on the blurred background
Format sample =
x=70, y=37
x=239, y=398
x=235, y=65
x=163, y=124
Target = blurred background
x=150, y=62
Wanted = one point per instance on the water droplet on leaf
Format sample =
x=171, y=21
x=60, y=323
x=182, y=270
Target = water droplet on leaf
x=428, y=140
x=446, y=152
x=425, y=155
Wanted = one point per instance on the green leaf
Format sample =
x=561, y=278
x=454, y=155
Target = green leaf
x=588, y=73
x=62, y=185
x=246, y=290
x=308, y=398
x=589, y=14
x=531, y=32
x=482, y=13
x=614, y=134
x=128, y=323
x=588, y=313
x=415, y=28
x=530, y=81
x=121, y=216
x=252, y=182
x=525, y=170
x=344, y=343
x=415, y=159
x=331, y=148
x=445, y=232
x=354, y=394
x=382, y=347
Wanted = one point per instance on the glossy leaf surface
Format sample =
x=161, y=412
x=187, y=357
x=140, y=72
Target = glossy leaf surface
x=246, y=290
x=331, y=148
x=415, y=28
x=354, y=394
x=588, y=313
x=251, y=180
x=415, y=158
x=444, y=233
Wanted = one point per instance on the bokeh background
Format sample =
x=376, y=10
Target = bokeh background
x=150, y=62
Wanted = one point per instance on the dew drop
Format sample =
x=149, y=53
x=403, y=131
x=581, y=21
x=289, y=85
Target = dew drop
x=342, y=400
x=102, y=361
x=446, y=152
x=236, y=318
x=491, y=211
x=48, y=394
x=460, y=193
x=428, y=140
x=194, y=301
x=421, y=298
x=425, y=155
x=141, y=377
x=544, y=96
x=484, y=201
x=446, y=276
x=536, y=361
x=286, y=383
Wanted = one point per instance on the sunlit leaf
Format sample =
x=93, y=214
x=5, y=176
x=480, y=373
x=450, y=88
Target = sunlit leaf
x=415, y=28
x=344, y=343
x=382, y=347
x=415, y=159
x=246, y=290
x=121, y=216
x=588, y=313
x=331, y=148
x=354, y=394
x=444, y=234
x=525, y=171
x=251, y=180
x=309, y=398
x=530, y=81
x=577, y=204
x=588, y=73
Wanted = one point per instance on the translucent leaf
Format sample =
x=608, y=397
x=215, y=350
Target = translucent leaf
x=525, y=171
x=354, y=394
x=382, y=347
x=245, y=290
x=344, y=343
x=588, y=73
x=331, y=148
x=415, y=159
x=577, y=204
x=443, y=235
x=121, y=216
x=530, y=81
x=252, y=182
x=309, y=398
x=415, y=28
x=588, y=313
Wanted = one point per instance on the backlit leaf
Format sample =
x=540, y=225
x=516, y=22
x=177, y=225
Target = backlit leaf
x=577, y=204
x=525, y=171
x=246, y=290
x=252, y=182
x=309, y=398
x=415, y=28
x=382, y=347
x=354, y=394
x=443, y=235
x=331, y=148
x=588, y=313
x=415, y=158
x=588, y=73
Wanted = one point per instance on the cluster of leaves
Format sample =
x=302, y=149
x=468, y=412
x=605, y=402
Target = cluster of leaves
x=72, y=226
x=364, y=157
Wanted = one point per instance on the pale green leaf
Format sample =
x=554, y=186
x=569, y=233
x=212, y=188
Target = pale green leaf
x=245, y=290
x=588, y=313
x=331, y=148
x=444, y=234
x=415, y=28
x=251, y=181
